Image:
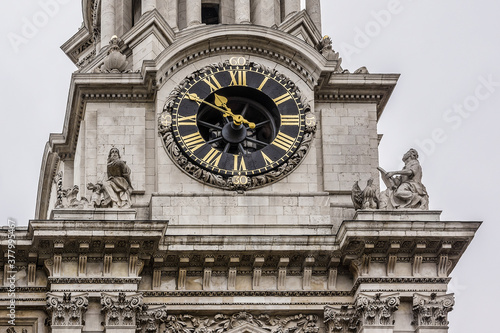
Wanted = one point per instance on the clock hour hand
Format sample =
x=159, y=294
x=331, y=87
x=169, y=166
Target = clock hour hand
x=221, y=106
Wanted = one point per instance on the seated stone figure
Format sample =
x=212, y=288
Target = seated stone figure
x=115, y=191
x=118, y=186
x=404, y=187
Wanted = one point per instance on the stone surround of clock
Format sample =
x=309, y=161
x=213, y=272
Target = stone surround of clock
x=243, y=135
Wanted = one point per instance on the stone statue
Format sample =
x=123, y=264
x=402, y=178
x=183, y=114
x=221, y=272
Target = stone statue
x=115, y=191
x=367, y=198
x=404, y=188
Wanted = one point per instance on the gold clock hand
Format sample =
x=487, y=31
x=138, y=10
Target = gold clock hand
x=237, y=119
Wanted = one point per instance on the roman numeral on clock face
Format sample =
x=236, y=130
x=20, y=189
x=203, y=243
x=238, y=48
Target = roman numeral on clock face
x=212, y=83
x=194, y=141
x=238, y=78
x=239, y=163
x=283, y=98
x=283, y=141
x=213, y=157
x=293, y=120
x=266, y=158
x=189, y=120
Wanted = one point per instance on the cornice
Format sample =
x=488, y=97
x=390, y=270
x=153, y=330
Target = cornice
x=358, y=88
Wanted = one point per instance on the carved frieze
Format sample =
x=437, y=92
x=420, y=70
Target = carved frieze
x=220, y=323
x=67, y=310
x=149, y=320
x=432, y=310
x=343, y=320
x=377, y=310
x=121, y=310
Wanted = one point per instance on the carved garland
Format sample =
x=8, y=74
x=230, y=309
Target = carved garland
x=220, y=323
x=207, y=177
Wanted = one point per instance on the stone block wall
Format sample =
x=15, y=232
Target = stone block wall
x=350, y=144
x=196, y=210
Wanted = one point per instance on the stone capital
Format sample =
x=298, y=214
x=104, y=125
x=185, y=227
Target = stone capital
x=377, y=310
x=432, y=310
x=341, y=320
x=121, y=310
x=67, y=310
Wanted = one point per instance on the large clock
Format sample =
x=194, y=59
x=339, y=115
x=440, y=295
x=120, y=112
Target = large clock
x=236, y=125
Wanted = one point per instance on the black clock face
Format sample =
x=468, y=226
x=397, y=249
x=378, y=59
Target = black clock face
x=238, y=120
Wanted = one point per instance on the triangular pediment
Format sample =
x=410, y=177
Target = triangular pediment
x=248, y=328
x=301, y=26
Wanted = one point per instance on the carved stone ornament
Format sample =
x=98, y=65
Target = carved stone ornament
x=149, y=320
x=185, y=155
x=404, y=187
x=242, y=321
x=13, y=330
x=121, y=310
x=367, y=198
x=377, y=310
x=326, y=49
x=432, y=310
x=343, y=320
x=114, y=192
x=67, y=310
x=115, y=62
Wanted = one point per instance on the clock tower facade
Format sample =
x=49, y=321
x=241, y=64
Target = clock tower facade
x=203, y=183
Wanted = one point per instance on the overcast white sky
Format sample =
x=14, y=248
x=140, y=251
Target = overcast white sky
x=446, y=105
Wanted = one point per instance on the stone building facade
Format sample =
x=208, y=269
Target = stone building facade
x=203, y=183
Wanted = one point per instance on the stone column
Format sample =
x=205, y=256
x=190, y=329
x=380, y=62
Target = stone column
x=376, y=313
x=291, y=6
x=172, y=14
x=107, y=21
x=430, y=313
x=193, y=12
x=148, y=5
x=242, y=11
x=66, y=312
x=313, y=8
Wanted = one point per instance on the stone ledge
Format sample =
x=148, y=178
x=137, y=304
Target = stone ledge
x=397, y=215
x=94, y=214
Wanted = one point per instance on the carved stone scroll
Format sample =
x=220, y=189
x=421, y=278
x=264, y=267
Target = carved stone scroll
x=121, y=310
x=377, y=310
x=149, y=320
x=432, y=310
x=67, y=310
x=343, y=320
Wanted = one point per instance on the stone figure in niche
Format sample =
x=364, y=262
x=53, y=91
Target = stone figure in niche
x=115, y=191
x=367, y=198
x=404, y=187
